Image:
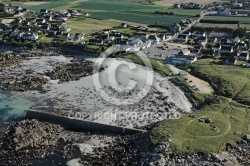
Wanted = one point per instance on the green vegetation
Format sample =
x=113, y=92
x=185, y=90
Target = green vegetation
x=157, y=65
x=47, y=5
x=228, y=81
x=240, y=32
x=242, y=20
x=89, y=25
x=183, y=12
x=189, y=135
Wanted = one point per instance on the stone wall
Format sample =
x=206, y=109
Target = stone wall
x=80, y=125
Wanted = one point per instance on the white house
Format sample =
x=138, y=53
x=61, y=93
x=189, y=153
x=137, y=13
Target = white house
x=154, y=39
x=217, y=48
x=8, y=10
x=244, y=55
x=14, y=33
x=30, y=36
x=183, y=60
x=236, y=40
x=136, y=43
x=226, y=48
x=225, y=12
x=66, y=29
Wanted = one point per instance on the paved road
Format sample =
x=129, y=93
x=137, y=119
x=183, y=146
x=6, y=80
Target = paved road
x=202, y=14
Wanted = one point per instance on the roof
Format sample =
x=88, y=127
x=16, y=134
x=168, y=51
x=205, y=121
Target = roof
x=226, y=47
x=244, y=54
x=184, y=57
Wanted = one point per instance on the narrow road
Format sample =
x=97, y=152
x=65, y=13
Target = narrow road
x=202, y=14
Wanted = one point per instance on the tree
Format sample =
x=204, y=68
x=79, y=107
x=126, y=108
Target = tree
x=240, y=32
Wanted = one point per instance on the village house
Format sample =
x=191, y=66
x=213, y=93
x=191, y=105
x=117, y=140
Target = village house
x=182, y=38
x=229, y=61
x=97, y=42
x=183, y=59
x=8, y=9
x=43, y=11
x=198, y=34
x=201, y=40
x=225, y=12
x=244, y=55
x=175, y=28
x=242, y=45
x=123, y=25
x=154, y=39
x=184, y=52
x=121, y=41
x=226, y=48
x=187, y=33
x=30, y=36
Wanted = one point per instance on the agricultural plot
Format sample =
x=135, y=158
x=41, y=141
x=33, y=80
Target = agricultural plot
x=49, y=5
x=88, y=25
x=209, y=25
x=242, y=20
x=126, y=11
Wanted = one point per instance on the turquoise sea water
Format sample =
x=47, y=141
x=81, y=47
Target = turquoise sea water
x=13, y=105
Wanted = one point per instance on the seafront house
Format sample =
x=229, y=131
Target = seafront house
x=183, y=59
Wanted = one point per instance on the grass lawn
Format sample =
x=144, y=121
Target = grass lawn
x=228, y=81
x=89, y=25
x=189, y=135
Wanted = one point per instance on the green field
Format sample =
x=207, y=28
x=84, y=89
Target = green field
x=232, y=114
x=228, y=81
x=189, y=135
x=48, y=5
x=126, y=11
x=242, y=20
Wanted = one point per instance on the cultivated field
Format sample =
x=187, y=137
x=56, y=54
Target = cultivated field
x=242, y=20
x=171, y=2
x=209, y=25
x=118, y=10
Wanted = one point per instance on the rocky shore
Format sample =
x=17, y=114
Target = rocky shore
x=14, y=78
x=31, y=139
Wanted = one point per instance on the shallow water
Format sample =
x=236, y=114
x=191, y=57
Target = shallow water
x=13, y=105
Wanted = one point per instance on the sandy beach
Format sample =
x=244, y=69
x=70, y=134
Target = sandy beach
x=163, y=101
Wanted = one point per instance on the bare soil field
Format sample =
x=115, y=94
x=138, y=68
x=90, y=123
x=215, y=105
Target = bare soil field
x=34, y=3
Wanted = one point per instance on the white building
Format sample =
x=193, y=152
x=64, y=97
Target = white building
x=183, y=59
x=30, y=36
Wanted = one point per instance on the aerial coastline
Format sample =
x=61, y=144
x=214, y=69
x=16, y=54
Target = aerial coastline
x=157, y=82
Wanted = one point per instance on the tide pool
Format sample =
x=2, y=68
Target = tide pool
x=13, y=105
